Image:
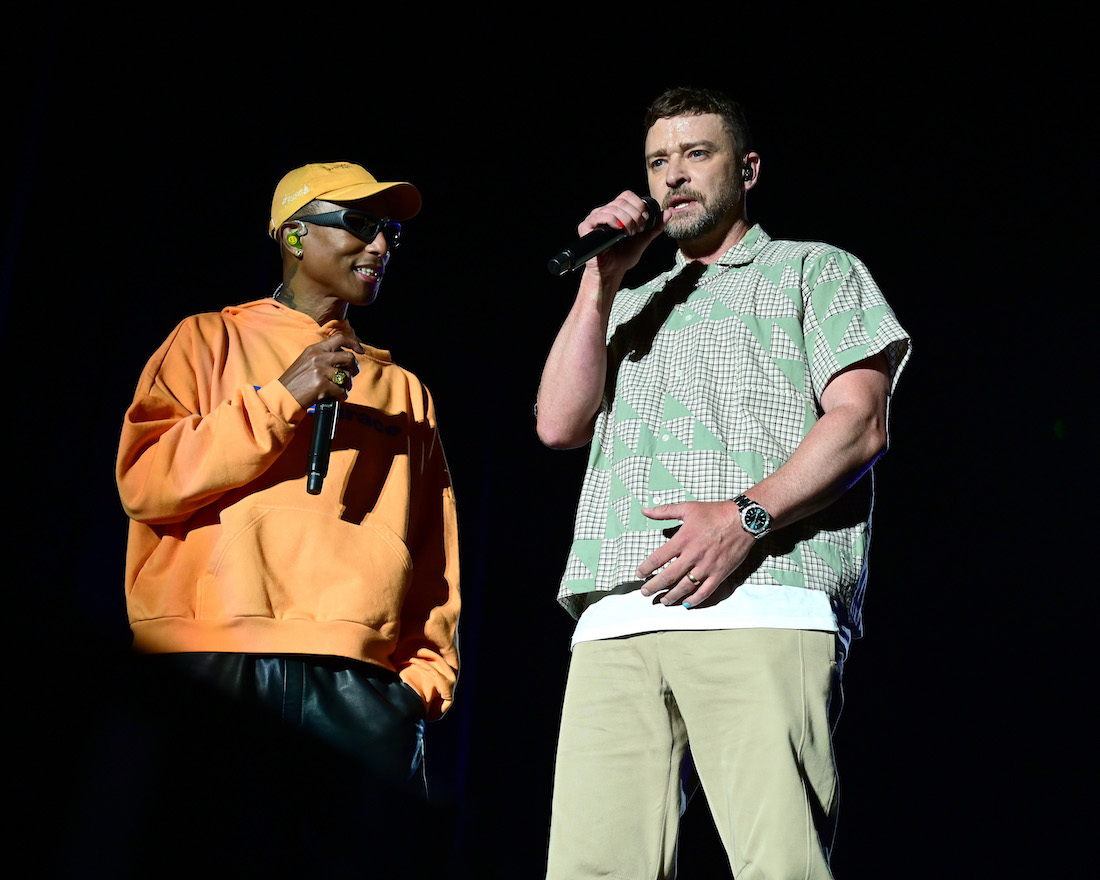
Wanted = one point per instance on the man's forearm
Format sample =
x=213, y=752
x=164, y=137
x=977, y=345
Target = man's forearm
x=837, y=450
x=573, y=378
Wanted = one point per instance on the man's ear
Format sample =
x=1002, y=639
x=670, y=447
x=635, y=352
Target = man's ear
x=291, y=234
x=750, y=170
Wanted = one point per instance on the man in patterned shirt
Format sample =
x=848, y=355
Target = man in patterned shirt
x=735, y=405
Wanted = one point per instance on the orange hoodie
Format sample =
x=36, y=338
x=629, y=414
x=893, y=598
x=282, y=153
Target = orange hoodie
x=227, y=550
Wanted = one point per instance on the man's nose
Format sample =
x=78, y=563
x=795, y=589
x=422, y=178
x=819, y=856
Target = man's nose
x=379, y=246
x=675, y=172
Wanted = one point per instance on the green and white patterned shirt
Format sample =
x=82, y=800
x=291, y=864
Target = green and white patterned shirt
x=712, y=383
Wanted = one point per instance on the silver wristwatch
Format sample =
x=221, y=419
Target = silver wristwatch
x=754, y=518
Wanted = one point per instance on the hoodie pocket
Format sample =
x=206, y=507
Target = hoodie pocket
x=300, y=564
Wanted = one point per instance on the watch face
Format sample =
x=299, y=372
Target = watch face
x=756, y=519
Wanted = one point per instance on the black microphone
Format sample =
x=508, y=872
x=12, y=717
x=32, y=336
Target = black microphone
x=597, y=241
x=324, y=429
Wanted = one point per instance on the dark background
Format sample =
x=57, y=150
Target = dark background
x=946, y=156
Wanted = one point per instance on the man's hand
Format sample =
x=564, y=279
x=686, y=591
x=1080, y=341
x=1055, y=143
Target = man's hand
x=627, y=212
x=706, y=549
x=309, y=378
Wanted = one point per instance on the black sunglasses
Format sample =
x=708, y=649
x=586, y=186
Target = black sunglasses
x=362, y=226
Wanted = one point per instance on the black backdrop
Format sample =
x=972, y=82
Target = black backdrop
x=139, y=178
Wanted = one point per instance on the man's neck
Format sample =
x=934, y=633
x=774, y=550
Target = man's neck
x=321, y=310
x=707, y=249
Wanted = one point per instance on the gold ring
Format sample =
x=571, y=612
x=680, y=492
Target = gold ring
x=339, y=378
x=690, y=578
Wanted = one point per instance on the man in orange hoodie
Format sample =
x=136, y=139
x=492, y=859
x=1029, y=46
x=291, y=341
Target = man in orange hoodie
x=332, y=602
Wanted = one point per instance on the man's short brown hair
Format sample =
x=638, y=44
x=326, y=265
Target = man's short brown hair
x=686, y=101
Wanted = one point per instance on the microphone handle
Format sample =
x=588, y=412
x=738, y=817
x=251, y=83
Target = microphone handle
x=595, y=242
x=324, y=429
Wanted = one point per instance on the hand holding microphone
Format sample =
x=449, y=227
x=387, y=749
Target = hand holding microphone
x=322, y=375
x=605, y=236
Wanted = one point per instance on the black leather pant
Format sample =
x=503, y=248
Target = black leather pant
x=361, y=710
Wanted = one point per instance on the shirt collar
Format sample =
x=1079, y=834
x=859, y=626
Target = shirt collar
x=741, y=254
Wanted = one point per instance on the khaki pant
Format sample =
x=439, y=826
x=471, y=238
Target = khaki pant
x=754, y=704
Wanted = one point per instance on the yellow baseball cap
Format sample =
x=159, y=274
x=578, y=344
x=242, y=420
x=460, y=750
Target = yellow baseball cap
x=338, y=182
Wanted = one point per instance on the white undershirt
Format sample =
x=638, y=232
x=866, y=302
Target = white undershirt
x=750, y=605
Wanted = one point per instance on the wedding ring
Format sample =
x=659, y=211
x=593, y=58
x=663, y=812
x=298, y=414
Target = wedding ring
x=692, y=579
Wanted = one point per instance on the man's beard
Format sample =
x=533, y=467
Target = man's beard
x=712, y=215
